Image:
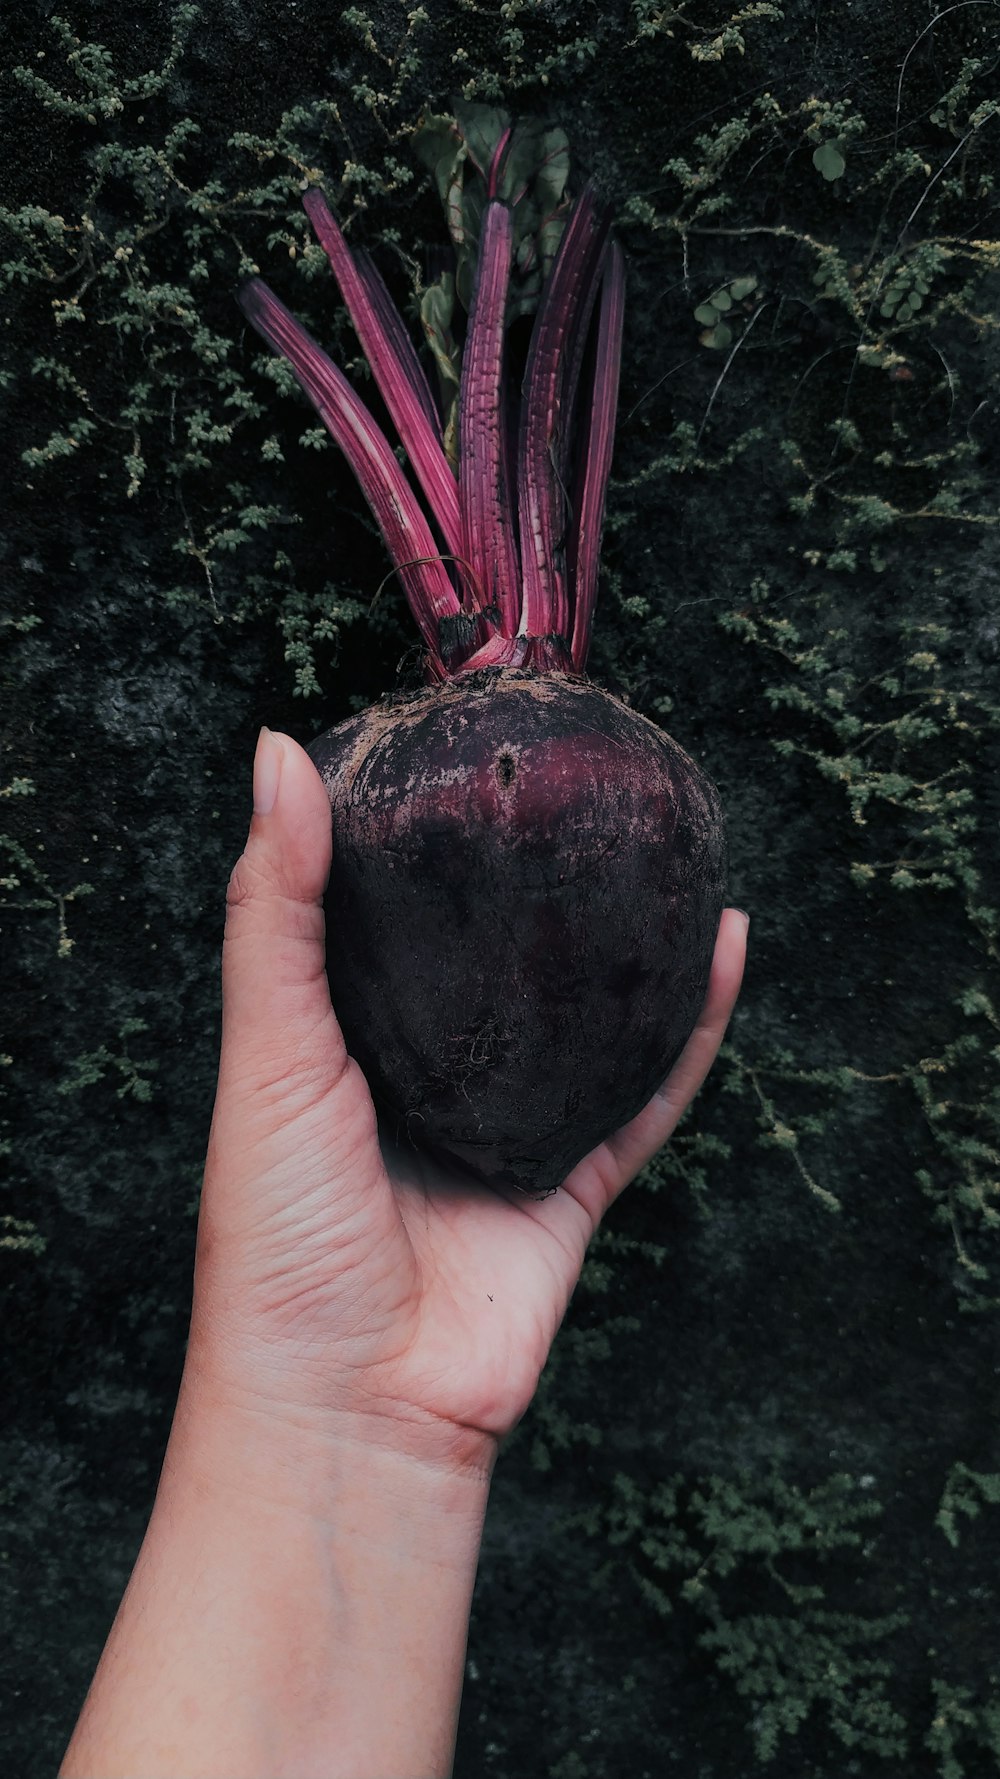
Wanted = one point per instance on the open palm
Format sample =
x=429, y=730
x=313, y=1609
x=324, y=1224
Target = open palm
x=337, y=1273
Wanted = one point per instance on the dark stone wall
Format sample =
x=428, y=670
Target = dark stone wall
x=751, y=1523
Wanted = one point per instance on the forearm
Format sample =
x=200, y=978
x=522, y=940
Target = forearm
x=299, y=1607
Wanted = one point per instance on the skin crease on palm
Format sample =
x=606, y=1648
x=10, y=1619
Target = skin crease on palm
x=338, y=1281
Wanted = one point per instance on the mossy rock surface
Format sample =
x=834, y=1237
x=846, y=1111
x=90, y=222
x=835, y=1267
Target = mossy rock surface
x=752, y=1523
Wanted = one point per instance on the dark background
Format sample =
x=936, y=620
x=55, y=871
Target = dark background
x=752, y=1523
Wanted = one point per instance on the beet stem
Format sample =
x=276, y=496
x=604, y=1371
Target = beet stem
x=596, y=439
x=404, y=527
x=549, y=386
x=393, y=373
x=525, y=544
x=488, y=534
x=391, y=322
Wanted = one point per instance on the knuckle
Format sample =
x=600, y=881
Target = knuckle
x=244, y=884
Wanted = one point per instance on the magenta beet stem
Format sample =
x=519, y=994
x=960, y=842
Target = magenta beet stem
x=546, y=417
x=596, y=439
x=393, y=373
x=521, y=522
x=489, y=542
x=390, y=320
x=406, y=531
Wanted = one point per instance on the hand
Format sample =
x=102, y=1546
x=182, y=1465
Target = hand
x=364, y=1289
x=364, y=1333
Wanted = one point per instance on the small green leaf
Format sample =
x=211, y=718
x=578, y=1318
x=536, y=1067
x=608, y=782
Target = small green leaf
x=438, y=144
x=707, y=314
x=437, y=308
x=525, y=255
x=740, y=288
x=538, y=159
x=722, y=301
x=718, y=338
x=829, y=161
x=481, y=126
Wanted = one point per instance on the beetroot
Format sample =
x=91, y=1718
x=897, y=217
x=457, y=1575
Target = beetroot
x=527, y=887
x=527, y=876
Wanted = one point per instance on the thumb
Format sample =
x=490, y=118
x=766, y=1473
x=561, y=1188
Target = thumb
x=278, y=1025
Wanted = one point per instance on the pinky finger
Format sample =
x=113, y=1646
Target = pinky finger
x=621, y=1157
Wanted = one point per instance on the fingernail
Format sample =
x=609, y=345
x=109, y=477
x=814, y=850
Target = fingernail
x=745, y=915
x=266, y=772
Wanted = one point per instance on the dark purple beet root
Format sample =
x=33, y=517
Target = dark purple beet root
x=527, y=883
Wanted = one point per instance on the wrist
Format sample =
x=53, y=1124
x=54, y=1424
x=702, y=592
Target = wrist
x=319, y=1393
x=235, y=1433
x=303, y=1591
